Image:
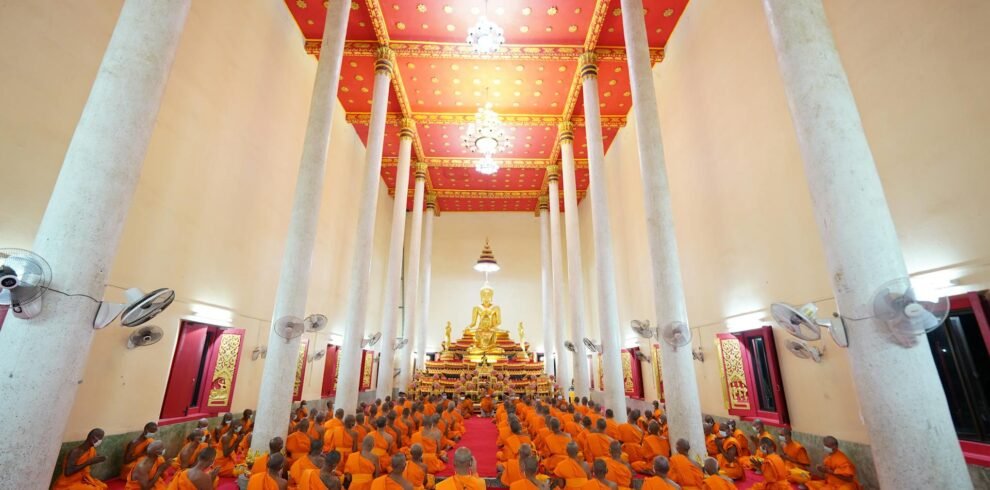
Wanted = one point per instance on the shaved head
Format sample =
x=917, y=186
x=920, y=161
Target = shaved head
x=661, y=466
x=572, y=449
x=711, y=466
x=463, y=460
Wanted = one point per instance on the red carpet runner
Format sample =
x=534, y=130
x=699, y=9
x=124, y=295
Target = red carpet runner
x=480, y=437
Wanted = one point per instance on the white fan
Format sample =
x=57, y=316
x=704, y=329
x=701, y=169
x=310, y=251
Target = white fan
x=592, y=346
x=144, y=336
x=643, y=329
x=400, y=343
x=803, y=323
x=800, y=349
x=570, y=346
x=289, y=327
x=315, y=323
x=372, y=340
x=320, y=354
x=676, y=334
x=907, y=314
x=24, y=279
x=140, y=307
x=643, y=357
x=259, y=352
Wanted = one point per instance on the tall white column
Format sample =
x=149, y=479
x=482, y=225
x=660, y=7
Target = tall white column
x=275, y=395
x=575, y=274
x=683, y=407
x=390, y=300
x=546, y=283
x=423, y=306
x=565, y=358
x=412, y=278
x=364, y=237
x=42, y=359
x=608, y=305
x=894, y=384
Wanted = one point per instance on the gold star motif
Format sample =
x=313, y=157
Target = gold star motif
x=668, y=12
x=421, y=8
x=552, y=11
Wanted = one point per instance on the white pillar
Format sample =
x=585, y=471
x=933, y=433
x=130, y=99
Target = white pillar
x=423, y=306
x=608, y=305
x=412, y=278
x=392, y=293
x=894, y=384
x=364, y=239
x=546, y=282
x=565, y=358
x=575, y=274
x=42, y=360
x=683, y=407
x=275, y=395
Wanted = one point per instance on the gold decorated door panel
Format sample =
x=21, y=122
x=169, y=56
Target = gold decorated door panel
x=225, y=357
x=736, y=388
x=297, y=387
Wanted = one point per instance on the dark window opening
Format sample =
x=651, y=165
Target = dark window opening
x=764, y=384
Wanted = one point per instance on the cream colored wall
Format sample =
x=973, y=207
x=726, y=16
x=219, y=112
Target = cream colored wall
x=457, y=242
x=742, y=209
x=211, y=210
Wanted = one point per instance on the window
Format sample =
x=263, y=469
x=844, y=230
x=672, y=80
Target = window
x=301, y=363
x=204, y=370
x=961, y=349
x=330, y=369
x=632, y=375
x=751, y=382
x=367, y=365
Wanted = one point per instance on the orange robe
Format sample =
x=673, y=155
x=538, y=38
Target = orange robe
x=225, y=463
x=296, y=471
x=710, y=445
x=572, y=472
x=594, y=485
x=840, y=464
x=159, y=484
x=732, y=470
x=383, y=449
x=341, y=440
x=618, y=473
x=430, y=457
x=718, y=482
x=685, y=473
x=556, y=450
x=296, y=446
x=523, y=484
x=653, y=446
x=311, y=481
x=797, y=452
x=774, y=474
x=260, y=464
x=362, y=471
x=138, y=451
x=487, y=405
x=262, y=481
x=612, y=429
x=462, y=482
x=182, y=482
x=385, y=482
x=418, y=475
x=656, y=483
x=596, y=446
x=511, y=472
x=80, y=480
x=512, y=445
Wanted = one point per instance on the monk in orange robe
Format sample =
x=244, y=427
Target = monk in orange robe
x=556, y=443
x=728, y=459
x=137, y=448
x=653, y=445
x=530, y=480
x=510, y=471
x=660, y=479
x=796, y=458
x=597, y=443
x=261, y=462
x=632, y=438
x=301, y=412
x=147, y=473
x=513, y=442
x=384, y=444
x=464, y=470
x=336, y=421
x=760, y=432
x=75, y=471
x=416, y=472
x=247, y=420
x=714, y=479
x=312, y=461
x=226, y=454
x=711, y=421
x=611, y=426
x=487, y=406
x=394, y=479
x=683, y=471
x=839, y=470
x=195, y=443
x=467, y=408
x=198, y=476
x=360, y=427
x=323, y=479
x=740, y=437
x=573, y=471
x=598, y=480
x=772, y=468
x=429, y=438
x=362, y=465
x=298, y=443
x=271, y=479
x=711, y=445
x=343, y=439
x=619, y=471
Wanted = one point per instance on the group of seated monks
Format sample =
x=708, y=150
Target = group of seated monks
x=541, y=444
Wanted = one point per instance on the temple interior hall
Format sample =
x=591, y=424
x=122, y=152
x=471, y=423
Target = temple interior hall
x=721, y=230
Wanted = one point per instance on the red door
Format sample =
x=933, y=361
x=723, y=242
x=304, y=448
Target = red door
x=301, y=362
x=180, y=392
x=220, y=372
x=330, y=371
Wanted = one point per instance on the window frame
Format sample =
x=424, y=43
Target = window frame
x=330, y=371
x=212, y=341
x=751, y=410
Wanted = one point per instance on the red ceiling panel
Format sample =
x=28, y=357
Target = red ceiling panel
x=661, y=17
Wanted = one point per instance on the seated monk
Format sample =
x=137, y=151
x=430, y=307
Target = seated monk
x=362, y=466
x=619, y=471
x=247, y=420
x=394, y=479
x=772, y=468
x=796, y=458
x=512, y=443
x=454, y=430
x=653, y=445
x=711, y=445
x=598, y=480
x=195, y=443
x=467, y=408
x=342, y=438
x=75, y=471
x=464, y=470
x=336, y=421
x=511, y=470
x=298, y=442
x=632, y=438
x=429, y=438
x=740, y=437
x=271, y=479
x=199, y=477
x=660, y=479
x=226, y=454
x=384, y=444
x=399, y=438
x=556, y=443
x=360, y=427
x=136, y=448
x=838, y=470
x=261, y=462
x=487, y=406
x=715, y=425
x=714, y=479
x=301, y=412
x=573, y=471
x=312, y=461
x=416, y=472
x=530, y=480
x=611, y=426
x=223, y=428
x=759, y=432
x=317, y=428
x=683, y=471
x=728, y=459
x=323, y=479
x=147, y=473
x=597, y=444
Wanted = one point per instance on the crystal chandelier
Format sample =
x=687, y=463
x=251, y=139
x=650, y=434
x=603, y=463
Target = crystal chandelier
x=486, y=134
x=486, y=165
x=486, y=36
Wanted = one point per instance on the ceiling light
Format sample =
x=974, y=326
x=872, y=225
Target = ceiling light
x=486, y=165
x=486, y=37
x=486, y=134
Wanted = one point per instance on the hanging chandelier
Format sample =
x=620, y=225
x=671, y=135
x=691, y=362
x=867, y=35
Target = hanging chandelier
x=486, y=134
x=486, y=165
x=486, y=36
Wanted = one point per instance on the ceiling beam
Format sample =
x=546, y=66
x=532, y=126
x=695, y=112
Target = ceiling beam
x=463, y=51
x=483, y=194
x=457, y=162
x=441, y=118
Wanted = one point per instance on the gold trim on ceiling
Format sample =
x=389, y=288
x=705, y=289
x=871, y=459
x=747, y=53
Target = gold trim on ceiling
x=462, y=51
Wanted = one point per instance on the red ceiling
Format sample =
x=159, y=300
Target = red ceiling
x=528, y=82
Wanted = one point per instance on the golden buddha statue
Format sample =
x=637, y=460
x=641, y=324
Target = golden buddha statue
x=485, y=320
